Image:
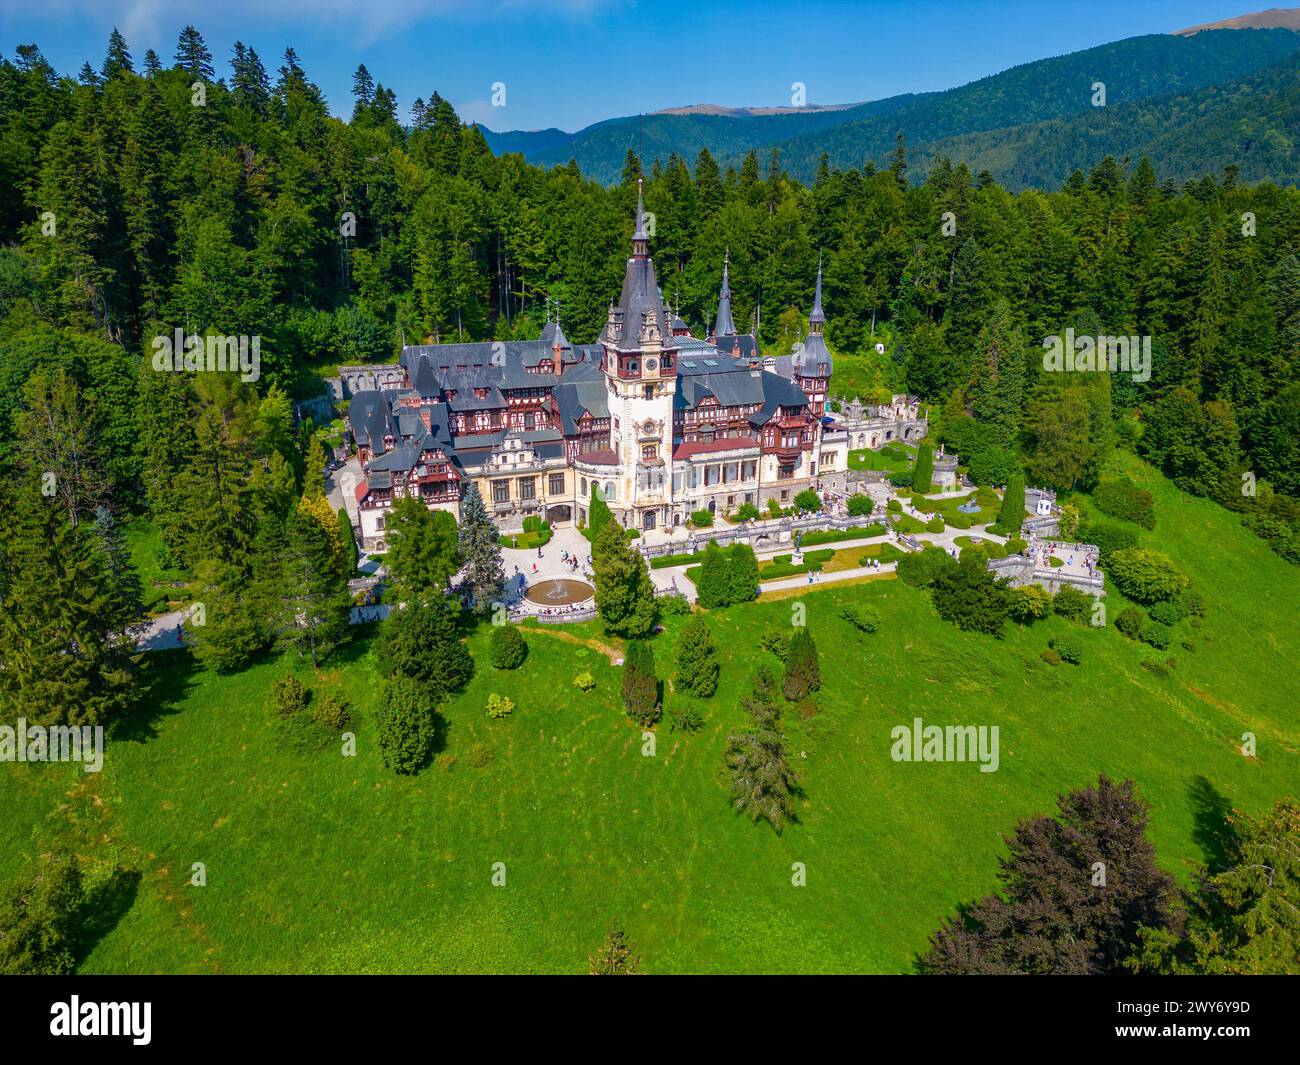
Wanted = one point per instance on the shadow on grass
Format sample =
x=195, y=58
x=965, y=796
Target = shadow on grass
x=1212, y=831
x=102, y=908
x=166, y=678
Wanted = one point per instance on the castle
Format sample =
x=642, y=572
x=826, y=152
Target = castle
x=659, y=422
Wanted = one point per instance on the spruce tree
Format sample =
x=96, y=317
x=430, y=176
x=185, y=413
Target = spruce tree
x=480, y=553
x=119, y=570
x=422, y=641
x=67, y=660
x=763, y=784
x=614, y=957
x=233, y=632
x=697, y=660
x=351, y=552
x=1051, y=916
x=802, y=672
x=624, y=592
x=640, y=685
x=314, y=599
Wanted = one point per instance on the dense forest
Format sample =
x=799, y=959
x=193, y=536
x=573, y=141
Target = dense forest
x=139, y=198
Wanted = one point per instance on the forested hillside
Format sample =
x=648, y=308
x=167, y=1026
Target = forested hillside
x=140, y=198
x=984, y=123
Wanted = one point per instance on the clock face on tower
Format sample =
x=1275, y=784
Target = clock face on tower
x=651, y=364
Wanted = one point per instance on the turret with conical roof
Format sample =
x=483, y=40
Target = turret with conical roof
x=812, y=358
x=724, y=326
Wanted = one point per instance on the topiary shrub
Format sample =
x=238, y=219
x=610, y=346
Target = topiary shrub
x=584, y=681
x=499, y=706
x=860, y=505
x=1017, y=546
x=697, y=660
x=958, y=520
x=894, y=506
x=288, y=696
x=506, y=647
x=1130, y=621
x=1157, y=635
x=935, y=524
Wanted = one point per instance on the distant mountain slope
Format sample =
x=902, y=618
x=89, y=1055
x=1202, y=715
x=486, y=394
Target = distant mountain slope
x=600, y=148
x=1134, y=69
x=1285, y=17
x=1252, y=123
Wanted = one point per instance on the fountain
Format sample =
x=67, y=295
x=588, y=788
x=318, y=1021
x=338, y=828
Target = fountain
x=559, y=591
x=969, y=507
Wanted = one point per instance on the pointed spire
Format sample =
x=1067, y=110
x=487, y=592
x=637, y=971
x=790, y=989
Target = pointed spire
x=818, y=317
x=725, y=327
x=641, y=238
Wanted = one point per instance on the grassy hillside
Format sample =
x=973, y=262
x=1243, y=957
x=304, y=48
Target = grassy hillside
x=317, y=862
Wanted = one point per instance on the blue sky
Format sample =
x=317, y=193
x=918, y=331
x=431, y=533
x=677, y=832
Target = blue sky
x=568, y=63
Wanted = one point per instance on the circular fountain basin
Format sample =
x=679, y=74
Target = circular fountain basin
x=969, y=507
x=559, y=592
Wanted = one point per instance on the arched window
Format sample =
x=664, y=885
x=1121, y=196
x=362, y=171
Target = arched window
x=649, y=451
x=609, y=490
x=584, y=488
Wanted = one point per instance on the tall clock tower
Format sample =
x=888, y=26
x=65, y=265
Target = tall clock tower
x=640, y=364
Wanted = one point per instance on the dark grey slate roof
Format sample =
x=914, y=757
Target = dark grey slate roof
x=723, y=326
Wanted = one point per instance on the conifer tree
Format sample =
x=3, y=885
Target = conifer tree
x=624, y=592
x=422, y=641
x=233, y=632
x=66, y=659
x=640, y=685
x=802, y=671
x=742, y=574
x=923, y=472
x=313, y=597
x=598, y=514
x=480, y=553
x=614, y=957
x=1011, y=515
x=119, y=571
x=697, y=659
x=763, y=784
x=406, y=722
x=423, y=551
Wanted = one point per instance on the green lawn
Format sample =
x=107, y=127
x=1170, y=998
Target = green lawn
x=321, y=863
x=163, y=587
x=866, y=459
